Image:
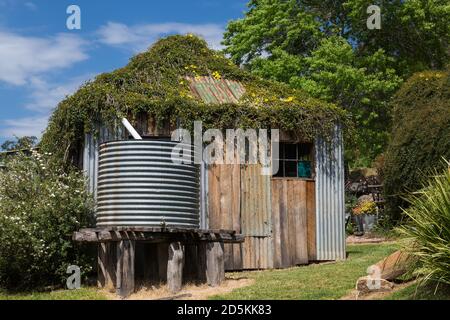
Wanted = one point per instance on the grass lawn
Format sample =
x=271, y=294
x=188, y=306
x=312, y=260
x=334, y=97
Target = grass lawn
x=425, y=292
x=81, y=294
x=313, y=282
x=318, y=281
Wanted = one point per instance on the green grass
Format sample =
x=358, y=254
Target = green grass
x=425, y=292
x=313, y=282
x=81, y=294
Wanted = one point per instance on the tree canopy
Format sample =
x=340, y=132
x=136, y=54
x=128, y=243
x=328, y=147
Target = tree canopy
x=325, y=48
x=20, y=143
x=420, y=139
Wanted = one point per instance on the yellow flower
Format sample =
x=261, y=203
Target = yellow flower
x=217, y=75
x=288, y=99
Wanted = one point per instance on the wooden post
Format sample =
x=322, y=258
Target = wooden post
x=211, y=263
x=175, y=266
x=106, y=277
x=125, y=268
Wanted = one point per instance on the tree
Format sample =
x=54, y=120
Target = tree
x=26, y=142
x=325, y=48
x=420, y=137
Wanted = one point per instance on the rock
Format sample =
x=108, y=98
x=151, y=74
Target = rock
x=395, y=265
x=365, y=198
x=368, y=284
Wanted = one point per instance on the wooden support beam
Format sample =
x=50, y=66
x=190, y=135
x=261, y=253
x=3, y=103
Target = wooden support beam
x=175, y=266
x=107, y=253
x=152, y=236
x=215, y=265
x=125, y=268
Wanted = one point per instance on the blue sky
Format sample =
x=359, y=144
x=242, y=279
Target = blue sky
x=41, y=61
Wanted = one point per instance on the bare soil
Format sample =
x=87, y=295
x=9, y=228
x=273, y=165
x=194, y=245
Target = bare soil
x=189, y=291
x=354, y=295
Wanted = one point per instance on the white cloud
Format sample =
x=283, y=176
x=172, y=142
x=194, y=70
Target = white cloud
x=140, y=37
x=45, y=96
x=22, y=58
x=31, y=6
x=30, y=126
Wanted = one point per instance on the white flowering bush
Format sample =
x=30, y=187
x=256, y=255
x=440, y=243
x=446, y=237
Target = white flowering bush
x=40, y=206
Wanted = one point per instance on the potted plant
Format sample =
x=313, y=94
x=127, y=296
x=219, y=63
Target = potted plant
x=365, y=213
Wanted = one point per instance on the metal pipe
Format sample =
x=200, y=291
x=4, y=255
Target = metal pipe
x=130, y=129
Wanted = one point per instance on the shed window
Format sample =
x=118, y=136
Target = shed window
x=295, y=160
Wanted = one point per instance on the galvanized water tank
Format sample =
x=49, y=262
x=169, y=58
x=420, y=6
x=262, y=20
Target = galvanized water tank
x=140, y=185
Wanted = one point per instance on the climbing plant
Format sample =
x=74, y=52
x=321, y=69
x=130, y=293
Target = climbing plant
x=156, y=82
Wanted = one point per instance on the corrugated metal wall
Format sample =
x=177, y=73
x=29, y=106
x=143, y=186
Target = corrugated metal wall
x=330, y=197
x=90, y=152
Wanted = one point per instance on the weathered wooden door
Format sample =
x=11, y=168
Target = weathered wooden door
x=293, y=219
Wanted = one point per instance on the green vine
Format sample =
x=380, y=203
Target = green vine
x=155, y=82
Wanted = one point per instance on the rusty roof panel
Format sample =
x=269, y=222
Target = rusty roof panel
x=216, y=91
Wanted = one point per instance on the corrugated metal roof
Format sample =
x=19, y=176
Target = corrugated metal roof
x=216, y=91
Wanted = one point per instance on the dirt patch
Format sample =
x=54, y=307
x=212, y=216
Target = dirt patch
x=365, y=239
x=354, y=295
x=189, y=292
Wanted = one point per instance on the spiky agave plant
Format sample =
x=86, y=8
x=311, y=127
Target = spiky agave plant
x=428, y=228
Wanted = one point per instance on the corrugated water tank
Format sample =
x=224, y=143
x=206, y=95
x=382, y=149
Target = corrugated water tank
x=140, y=185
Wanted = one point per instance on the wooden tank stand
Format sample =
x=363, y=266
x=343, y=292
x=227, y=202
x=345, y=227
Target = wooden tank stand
x=171, y=255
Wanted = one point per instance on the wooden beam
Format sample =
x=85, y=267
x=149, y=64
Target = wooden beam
x=215, y=264
x=193, y=237
x=125, y=268
x=107, y=253
x=175, y=267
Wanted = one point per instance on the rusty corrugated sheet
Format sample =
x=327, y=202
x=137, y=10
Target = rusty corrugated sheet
x=256, y=220
x=330, y=201
x=216, y=91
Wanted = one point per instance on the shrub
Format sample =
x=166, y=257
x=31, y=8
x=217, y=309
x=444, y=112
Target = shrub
x=428, y=228
x=40, y=206
x=420, y=135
